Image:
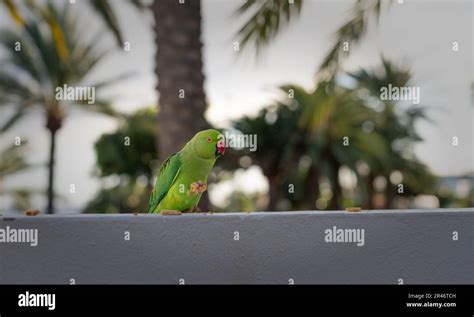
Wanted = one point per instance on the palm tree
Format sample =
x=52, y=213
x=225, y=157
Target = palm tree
x=396, y=127
x=334, y=123
x=32, y=74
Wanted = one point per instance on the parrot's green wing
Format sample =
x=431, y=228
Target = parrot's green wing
x=169, y=171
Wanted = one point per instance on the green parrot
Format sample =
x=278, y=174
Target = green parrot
x=183, y=176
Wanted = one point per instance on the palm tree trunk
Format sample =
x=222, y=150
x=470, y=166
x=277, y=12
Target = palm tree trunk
x=50, y=208
x=178, y=67
x=389, y=194
x=53, y=124
x=273, y=192
x=272, y=173
x=335, y=186
x=370, y=191
x=312, y=187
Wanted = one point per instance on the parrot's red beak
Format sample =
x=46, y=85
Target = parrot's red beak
x=220, y=147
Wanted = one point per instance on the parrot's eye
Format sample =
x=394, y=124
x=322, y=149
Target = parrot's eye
x=209, y=140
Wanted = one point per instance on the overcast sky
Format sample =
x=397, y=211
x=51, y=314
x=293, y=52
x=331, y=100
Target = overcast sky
x=416, y=33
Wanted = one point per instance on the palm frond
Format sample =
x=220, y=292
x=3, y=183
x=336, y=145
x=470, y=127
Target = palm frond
x=100, y=106
x=18, y=114
x=103, y=8
x=350, y=32
x=385, y=74
x=12, y=160
x=14, y=12
x=23, y=60
x=49, y=14
x=266, y=21
x=13, y=85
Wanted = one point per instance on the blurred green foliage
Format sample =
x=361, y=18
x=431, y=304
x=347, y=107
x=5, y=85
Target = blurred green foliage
x=126, y=197
x=128, y=154
x=131, y=148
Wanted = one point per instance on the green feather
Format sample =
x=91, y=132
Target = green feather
x=169, y=171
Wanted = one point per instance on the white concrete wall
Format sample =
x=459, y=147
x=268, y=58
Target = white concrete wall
x=414, y=246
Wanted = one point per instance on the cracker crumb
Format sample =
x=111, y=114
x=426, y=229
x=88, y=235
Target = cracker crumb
x=171, y=212
x=34, y=212
x=353, y=209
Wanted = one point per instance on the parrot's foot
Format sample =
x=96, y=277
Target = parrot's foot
x=198, y=187
x=171, y=212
